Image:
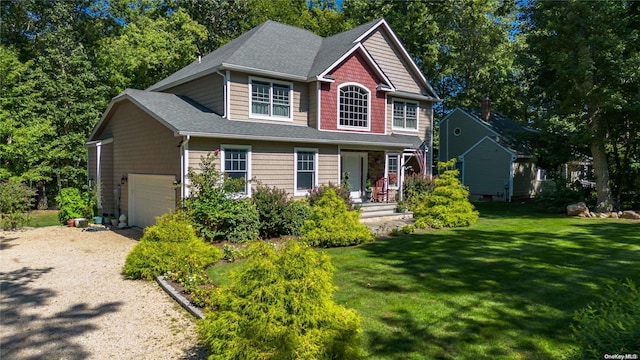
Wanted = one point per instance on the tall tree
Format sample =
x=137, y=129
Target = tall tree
x=466, y=49
x=586, y=68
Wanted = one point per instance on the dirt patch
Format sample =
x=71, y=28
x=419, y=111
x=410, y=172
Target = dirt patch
x=63, y=296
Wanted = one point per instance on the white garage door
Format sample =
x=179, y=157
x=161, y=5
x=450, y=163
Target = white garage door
x=150, y=196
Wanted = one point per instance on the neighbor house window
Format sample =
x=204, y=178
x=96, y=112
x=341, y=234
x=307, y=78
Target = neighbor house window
x=306, y=176
x=393, y=161
x=236, y=164
x=405, y=115
x=353, y=106
x=271, y=100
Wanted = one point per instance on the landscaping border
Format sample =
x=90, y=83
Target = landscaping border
x=184, y=302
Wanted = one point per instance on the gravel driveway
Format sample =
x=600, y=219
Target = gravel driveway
x=63, y=296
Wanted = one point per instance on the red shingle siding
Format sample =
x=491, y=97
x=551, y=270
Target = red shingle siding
x=353, y=69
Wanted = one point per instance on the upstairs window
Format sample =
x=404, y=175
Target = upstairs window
x=353, y=106
x=405, y=115
x=270, y=100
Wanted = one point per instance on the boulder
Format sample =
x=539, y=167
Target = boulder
x=579, y=209
x=630, y=214
x=614, y=215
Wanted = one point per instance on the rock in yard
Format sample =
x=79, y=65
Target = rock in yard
x=630, y=214
x=579, y=209
x=614, y=215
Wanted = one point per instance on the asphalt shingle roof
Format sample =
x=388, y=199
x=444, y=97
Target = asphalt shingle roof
x=185, y=117
x=510, y=132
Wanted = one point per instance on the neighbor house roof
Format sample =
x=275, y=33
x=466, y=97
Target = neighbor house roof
x=185, y=117
x=286, y=52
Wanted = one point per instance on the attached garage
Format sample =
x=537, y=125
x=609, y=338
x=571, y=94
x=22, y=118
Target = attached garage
x=150, y=196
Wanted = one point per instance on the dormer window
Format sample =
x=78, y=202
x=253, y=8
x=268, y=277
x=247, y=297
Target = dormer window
x=354, y=106
x=271, y=100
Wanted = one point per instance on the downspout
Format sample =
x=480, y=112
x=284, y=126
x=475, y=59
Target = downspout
x=511, y=174
x=430, y=158
x=224, y=93
x=184, y=167
x=98, y=175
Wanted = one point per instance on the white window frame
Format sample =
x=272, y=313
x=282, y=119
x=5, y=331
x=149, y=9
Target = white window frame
x=369, y=99
x=223, y=148
x=270, y=116
x=404, y=120
x=541, y=174
x=386, y=169
x=295, y=169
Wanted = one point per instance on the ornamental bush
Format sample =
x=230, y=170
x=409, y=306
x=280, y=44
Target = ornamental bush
x=295, y=214
x=341, y=190
x=278, y=215
x=447, y=205
x=73, y=204
x=611, y=326
x=331, y=224
x=15, y=202
x=215, y=208
x=279, y=306
x=162, y=251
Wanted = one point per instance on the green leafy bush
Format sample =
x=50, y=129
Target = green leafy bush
x=611, y=326
x=271, y=204
x=15, y=202
x=73, y=204
x=215, y=208
x=295, y=214
x=555, y=195
x=161, y=252
x=447, y=205
x=279, y=306
x=341, y=190
x=331, y=224
x=415, y=186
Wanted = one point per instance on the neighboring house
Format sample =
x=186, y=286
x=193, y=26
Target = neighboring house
x=284, y=106
x=492, y=158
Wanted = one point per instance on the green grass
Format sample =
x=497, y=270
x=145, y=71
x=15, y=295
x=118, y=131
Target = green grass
x=504, y=288
x=42, y=218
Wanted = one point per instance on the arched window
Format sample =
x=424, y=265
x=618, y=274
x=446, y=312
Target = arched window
x=353, y=106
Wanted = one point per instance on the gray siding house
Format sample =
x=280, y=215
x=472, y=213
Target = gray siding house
x=281, y=105
x=493, y=161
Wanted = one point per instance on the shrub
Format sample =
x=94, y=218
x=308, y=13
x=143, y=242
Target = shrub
x=555, y=195
x=216, y=210
x=447, y=205
x=611, y=326
x=160, y=252
x=15, y=201
x=73, y=204
x=271, y=204
x=415, y=186
x=341, y=190
x=295, y=214
x=331, y=224
x=279, y=306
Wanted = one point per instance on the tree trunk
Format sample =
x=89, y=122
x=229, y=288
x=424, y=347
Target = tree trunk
x=600, y=168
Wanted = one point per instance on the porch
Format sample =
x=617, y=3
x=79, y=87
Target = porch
x=376, y=176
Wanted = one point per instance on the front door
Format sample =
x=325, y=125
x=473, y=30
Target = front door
x=354, y=166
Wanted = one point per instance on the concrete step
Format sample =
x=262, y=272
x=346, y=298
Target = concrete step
x=378, y=213
x=372, y=207
x=387, y=218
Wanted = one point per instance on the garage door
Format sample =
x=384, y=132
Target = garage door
x=150, y=196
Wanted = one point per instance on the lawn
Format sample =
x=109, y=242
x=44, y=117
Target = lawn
x=41, y=218
x=506, y=287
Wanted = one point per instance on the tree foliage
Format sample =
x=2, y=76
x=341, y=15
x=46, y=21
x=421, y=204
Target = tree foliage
x=586, y=71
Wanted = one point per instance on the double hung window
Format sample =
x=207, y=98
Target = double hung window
x=271, y=100
x=393, y=166
x=236, y=164
x=306, y=170
x=405, y=115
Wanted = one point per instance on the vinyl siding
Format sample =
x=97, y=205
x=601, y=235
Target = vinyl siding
x=424, y=118
x=391, y=62
x=471, y=132
x=239, y=100
x=486, y=169
x=141, y=145
x=272, y=163
x=207, y=91
x=313, y=104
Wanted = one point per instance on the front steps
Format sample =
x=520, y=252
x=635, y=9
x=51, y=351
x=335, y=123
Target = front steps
x=381, y=213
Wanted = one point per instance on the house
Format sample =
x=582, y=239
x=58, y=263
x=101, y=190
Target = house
x=493, y=160
x=283, y=106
